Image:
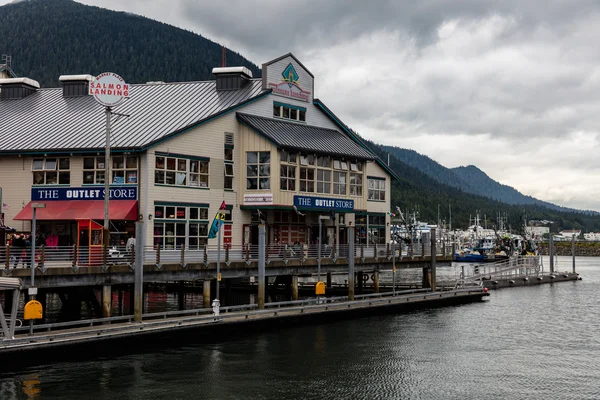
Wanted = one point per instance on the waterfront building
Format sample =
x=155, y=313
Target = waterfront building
x=266, y=147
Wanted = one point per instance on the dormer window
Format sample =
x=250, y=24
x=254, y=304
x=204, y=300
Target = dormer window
x=288, y=111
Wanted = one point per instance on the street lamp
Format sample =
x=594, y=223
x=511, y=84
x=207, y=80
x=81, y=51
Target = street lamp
x=32, y=290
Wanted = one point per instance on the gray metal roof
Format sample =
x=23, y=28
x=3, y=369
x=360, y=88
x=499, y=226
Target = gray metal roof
x=46, y=121
x=299, y=136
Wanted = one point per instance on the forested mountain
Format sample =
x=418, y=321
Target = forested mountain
x=469, y=179
x=49, y=38
x=416, y=190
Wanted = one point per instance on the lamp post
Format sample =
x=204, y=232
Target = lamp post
x=106, y=238
x=32, y=289
x=321, y=218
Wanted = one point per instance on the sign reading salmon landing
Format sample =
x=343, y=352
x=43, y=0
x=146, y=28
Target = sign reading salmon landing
x=289, y=85
x=88, y=193
x=322, y=203
x=109, y=89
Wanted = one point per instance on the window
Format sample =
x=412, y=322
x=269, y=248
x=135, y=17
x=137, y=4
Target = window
x=339, y=183
x=288, y=111
x=174, y=224
x=287, y=157
x=258, y=170
x=307, y=180
x=228, y=158
x=376, y=189
x=356, y=184
x=124, y=170
x=51, y=171
x=287, y=177
x=323, y=181
x=178, y=171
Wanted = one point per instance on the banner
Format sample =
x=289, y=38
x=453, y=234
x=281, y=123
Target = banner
x=217, y=222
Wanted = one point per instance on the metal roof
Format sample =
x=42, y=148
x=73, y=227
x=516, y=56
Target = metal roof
x=299, y=136
x=47, y=121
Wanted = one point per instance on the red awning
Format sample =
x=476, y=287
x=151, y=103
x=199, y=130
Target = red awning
x=66, y=210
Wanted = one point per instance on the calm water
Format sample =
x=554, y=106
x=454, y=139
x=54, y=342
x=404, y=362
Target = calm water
x=524, y=343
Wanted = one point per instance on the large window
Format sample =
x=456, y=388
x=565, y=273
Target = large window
x=228, y=158
x=124, y=170
x=339, y=182
x=258, y=170
x=376, y=189
x=356, y=184
x=51, y=171
x=323, y=181
x=287, y=177
x=180, y=225
x=180, y=171
x=287, y=111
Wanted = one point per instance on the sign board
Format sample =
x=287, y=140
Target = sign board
x=83, y=193
x=322, y=203
x=109, y=89
x=258, y=199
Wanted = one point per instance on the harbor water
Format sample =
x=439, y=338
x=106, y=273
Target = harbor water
x=538, y=342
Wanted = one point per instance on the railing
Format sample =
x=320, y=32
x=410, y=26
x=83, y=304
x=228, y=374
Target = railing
x=246, y=309
x=512, y=268
x=79, y=256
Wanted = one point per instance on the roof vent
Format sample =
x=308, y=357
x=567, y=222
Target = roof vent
x=155, y=83
x=75, y=85
x=17, y=88
x=232, y=78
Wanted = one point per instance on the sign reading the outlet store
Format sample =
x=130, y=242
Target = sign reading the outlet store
x=86, y=193
x=322, y=203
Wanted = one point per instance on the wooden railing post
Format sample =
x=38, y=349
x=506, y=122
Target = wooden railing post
x=75, y=255
x=7, y=261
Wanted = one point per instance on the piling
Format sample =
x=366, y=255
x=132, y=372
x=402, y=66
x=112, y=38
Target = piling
x=573, y=251
x=376, y=281
x=433, y=255
x=351, y=263
x=294, y=287
x=551, y=251
x=261, y=266
x=106, y=300
x=206, y=293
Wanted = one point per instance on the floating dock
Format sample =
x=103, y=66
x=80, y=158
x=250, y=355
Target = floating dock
x=103, y=335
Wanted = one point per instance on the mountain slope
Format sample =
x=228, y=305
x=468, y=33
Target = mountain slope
x=469, y=179
x=49, y=38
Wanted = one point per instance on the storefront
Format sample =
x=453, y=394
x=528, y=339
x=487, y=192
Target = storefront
x=76, y=215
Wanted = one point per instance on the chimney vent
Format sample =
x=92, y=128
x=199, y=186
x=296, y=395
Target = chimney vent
x=232, y=78
x=76, y=85
x=17, y=88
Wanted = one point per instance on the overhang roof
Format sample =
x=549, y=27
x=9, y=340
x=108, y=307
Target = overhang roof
x=45, y=121
x=299, y=136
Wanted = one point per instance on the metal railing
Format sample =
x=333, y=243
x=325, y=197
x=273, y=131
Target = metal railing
x=247, y=310
x=514, y=267
x=80, y=256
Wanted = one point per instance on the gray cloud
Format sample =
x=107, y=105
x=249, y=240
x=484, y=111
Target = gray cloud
x=511, y=86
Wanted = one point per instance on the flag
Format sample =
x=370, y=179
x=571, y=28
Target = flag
x=4, y=205
x=217, y=222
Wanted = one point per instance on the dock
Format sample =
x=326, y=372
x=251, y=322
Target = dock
x=103, y=335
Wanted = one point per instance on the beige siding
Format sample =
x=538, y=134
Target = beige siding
x=374, y=169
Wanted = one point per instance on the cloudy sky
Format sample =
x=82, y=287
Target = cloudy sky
x=510, y=86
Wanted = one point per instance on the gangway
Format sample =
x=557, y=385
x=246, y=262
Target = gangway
x=514, y=268
x=8, y=327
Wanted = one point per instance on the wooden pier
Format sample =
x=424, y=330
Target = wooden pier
x=105, y=335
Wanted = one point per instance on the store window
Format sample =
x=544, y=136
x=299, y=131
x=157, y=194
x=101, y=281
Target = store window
x=376, y=191
x=356, y=184
x=177, y=225
x=181, y=171
x=323, y=181
x=51, y=171
x=228, y=159
x=258, y=170
x=287, y=111
x=339, y=182
x=124, y=170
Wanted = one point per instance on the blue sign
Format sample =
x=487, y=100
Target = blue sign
x=84, y=193
x=322, y=203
